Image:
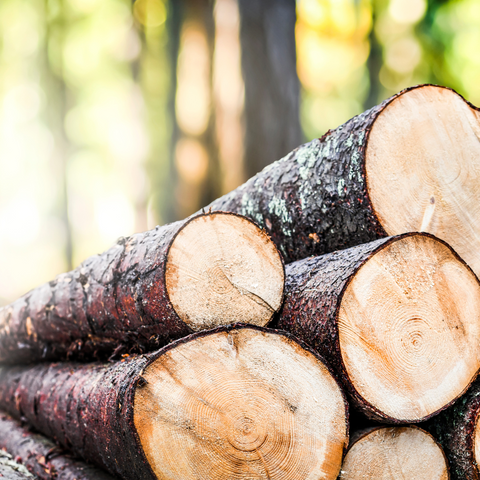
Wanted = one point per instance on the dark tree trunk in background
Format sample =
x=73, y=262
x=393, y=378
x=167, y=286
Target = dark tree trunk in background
x=192, y=193
x=271, y=115
x=374, y=64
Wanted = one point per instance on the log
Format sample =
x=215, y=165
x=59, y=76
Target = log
x=458, y=431
x=390, y=453
x=147, y=290
x=408, y=164
x=43, y=458
x=11, y=470
x=236, y=402
x=398, y=319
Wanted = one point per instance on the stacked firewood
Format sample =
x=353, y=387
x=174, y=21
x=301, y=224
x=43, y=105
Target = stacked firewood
x=164, y=367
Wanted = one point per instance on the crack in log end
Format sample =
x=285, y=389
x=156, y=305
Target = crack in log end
x=430, y=136
x=222, y=268
x=260, y=456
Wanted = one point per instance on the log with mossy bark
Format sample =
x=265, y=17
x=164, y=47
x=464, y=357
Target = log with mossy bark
x=147, y=290
x=236, y=402
x=458, y=431
x=391, y=453
x=12, y=470
x=397, y=318
x=409, y=164
x=42, y=457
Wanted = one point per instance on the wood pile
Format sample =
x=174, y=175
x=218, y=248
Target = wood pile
x=164, y=368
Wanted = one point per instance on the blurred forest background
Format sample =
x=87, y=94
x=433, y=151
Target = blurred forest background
x=116, y=116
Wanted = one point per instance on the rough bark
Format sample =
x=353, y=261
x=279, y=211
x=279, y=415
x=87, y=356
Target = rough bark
x=116, y=299
x=455, y=429
x=90, y=409
x=272, y=90
x=315, y=289
x=42, y=457
x=315, y=200
x=112, y=303
x=11, y=470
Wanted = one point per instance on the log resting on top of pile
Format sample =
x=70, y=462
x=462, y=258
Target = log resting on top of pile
x=458, y=431
x=397, y=318
x=41, y=456
x=391, y=453
x=147, y=290
x=235, y=402
x=409, y=164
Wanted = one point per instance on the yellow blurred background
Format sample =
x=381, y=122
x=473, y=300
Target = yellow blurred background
x=116, y=116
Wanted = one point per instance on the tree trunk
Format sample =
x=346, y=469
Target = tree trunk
x=409, y=164
x=272, y=90
x=147, y=290
x=41, y=456
x=11, y=470
x=390, y=453
x=235, y=402
x=397, y=318
x=458, y=431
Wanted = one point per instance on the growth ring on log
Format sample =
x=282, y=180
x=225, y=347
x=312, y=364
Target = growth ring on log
x=395, y=452
x=221, y=260
x=422, y=165
x=240, y=404
x=409, y=328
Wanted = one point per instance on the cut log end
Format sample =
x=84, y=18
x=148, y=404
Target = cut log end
x=409, y=328
x=241, y=404
x=393, y=453
x=423, y=168
x=222, y=267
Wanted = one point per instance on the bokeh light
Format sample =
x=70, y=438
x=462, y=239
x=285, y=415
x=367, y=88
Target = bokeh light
x=116, y=116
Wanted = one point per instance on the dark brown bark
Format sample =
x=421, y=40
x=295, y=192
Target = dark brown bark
x=11, y=470
x=42, y=457
x=113, y=300
x=272, y=90
x=89, y=408
x=85, y=408
x=315, y=200
x=314, y=289
x=113, y=303
x=455, y=430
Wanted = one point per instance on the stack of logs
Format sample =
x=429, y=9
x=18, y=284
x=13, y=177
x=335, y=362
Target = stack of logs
x=165, y=368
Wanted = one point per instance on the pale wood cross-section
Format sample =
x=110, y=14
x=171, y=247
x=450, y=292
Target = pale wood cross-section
x=423, y=167
x=409, y=328
x=241, y=404
x=395, y=453
x=223, y=266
